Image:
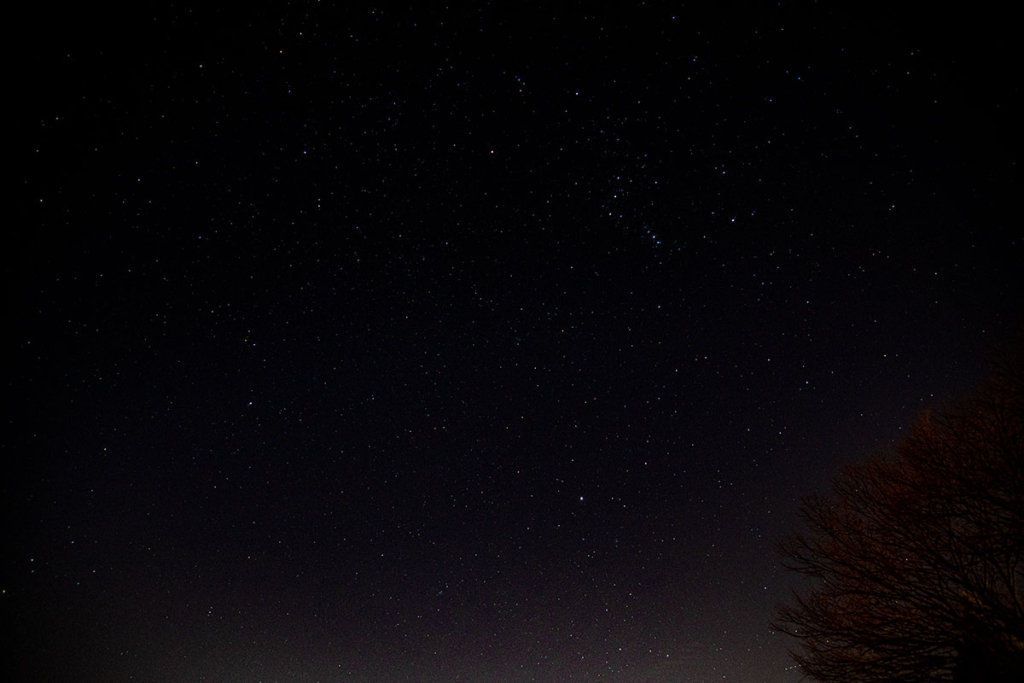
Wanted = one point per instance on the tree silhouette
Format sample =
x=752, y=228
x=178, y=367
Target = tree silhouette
x=918, y=555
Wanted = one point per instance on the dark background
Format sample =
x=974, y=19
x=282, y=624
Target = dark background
x=365, y=343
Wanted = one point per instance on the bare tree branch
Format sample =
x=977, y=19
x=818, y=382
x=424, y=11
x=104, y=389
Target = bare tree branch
x=918, y=554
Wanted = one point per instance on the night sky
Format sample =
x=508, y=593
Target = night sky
x=372, y=344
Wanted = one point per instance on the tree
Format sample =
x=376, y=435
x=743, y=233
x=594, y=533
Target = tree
x=917, y=555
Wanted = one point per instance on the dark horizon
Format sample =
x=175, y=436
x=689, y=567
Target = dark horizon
x=479, y=345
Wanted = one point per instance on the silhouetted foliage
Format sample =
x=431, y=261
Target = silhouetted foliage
x=918, y=554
